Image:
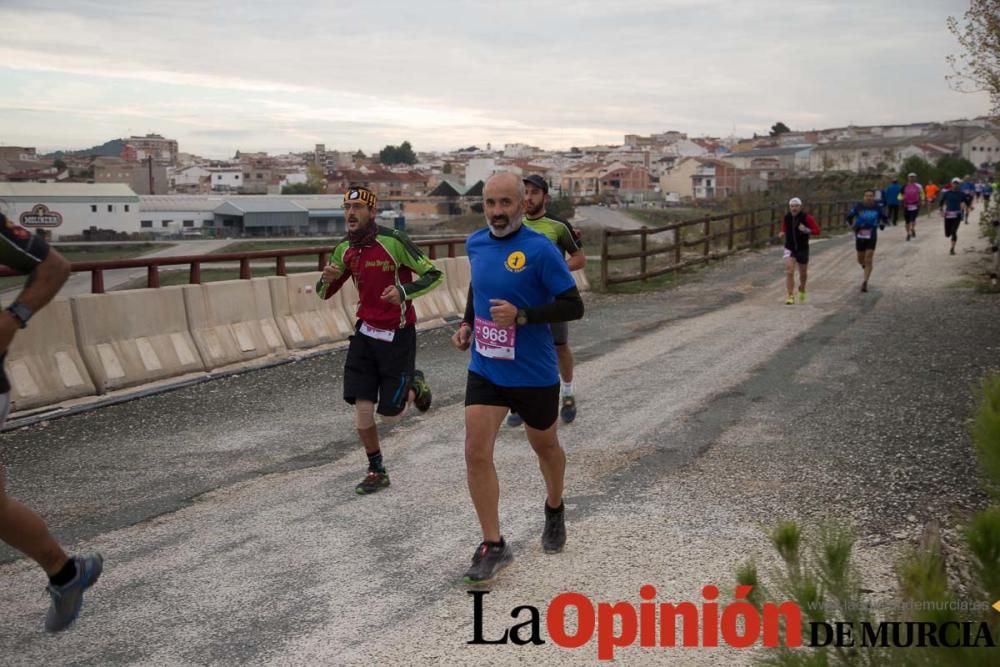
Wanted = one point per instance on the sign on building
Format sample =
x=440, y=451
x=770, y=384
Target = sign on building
x=41, y=217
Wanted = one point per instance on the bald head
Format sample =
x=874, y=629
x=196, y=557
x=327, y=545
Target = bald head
x=503, y=203
x=504, y=181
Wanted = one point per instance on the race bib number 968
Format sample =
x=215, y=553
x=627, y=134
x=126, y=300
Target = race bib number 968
x=494, y=342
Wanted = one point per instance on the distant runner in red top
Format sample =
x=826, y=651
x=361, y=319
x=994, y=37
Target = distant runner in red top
x=797, y=226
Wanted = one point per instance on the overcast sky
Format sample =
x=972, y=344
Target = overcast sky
x=283, y=76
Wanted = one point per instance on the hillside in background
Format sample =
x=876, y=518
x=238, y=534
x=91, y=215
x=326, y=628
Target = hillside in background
x=111, y=148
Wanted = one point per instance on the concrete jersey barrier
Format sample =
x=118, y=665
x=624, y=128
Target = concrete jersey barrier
x=134, y=337
x=232, y=322
x=426, y=310
x=44, y=363
x=444, y=303
x=95, y=343
x=458, y=273
x=304, y=320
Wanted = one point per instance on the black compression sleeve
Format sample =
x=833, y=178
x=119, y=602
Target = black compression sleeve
x=567, y=306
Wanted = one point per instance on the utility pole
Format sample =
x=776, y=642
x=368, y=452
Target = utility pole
x=149, y=165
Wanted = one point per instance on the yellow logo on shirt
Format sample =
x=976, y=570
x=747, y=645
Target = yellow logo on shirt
x=516, y=261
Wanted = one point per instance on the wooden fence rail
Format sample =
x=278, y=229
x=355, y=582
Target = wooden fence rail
x=741, y=230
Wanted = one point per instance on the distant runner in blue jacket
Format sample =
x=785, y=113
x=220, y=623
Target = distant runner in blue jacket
x=866, y=219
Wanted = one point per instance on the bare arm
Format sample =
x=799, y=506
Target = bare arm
x=45, y=281
x=43, y=284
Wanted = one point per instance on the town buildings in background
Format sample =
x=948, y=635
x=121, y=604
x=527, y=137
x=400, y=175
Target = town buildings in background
x=145, y=184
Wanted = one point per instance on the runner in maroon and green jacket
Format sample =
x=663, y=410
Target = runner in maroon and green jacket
x=389, y=271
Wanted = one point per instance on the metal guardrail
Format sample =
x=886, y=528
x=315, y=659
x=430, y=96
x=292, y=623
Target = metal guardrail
x=195, y=262
x=740, y=232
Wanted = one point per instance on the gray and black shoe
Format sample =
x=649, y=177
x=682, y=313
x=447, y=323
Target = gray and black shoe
x=568, y=409
x=68, y=598
x=375, y=480
x=488, y=560
x=554, y=533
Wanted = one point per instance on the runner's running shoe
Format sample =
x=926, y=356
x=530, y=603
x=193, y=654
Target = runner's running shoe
x=554, y=533
x=488, y=560
x=802, y=296
x=68, y=598
x=373, y=481
x=568, y=410
x=422, y=391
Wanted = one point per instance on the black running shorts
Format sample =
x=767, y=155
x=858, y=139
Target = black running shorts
x=380, y=371
x=537, y=406
x=560, y=332
x=951, y=226
x=801, y=254
x=910, y=216
x=862, y=245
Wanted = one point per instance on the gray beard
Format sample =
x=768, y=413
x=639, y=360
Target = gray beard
x=506, y=231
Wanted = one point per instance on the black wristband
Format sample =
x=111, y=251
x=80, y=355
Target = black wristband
x=20, y=312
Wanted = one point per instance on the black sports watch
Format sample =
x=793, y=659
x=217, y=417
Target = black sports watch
x=522, y=317
x=21, y=312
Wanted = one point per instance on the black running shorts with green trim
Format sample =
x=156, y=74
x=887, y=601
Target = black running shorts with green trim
x=537, y=406
x=380, y=371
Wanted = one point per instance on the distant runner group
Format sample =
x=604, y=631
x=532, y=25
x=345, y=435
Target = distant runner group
x=878, y=209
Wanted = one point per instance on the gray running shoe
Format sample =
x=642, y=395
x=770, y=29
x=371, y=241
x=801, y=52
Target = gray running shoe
x=488, y=560
x=68, y=598
x=568, y=410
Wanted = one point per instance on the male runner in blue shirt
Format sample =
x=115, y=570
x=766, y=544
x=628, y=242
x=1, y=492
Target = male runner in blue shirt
x=520, y=285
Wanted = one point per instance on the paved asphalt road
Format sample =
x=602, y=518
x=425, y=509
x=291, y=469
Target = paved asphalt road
x=232, y=534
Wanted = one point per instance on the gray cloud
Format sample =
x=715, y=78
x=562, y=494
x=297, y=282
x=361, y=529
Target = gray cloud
x=442, y=71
